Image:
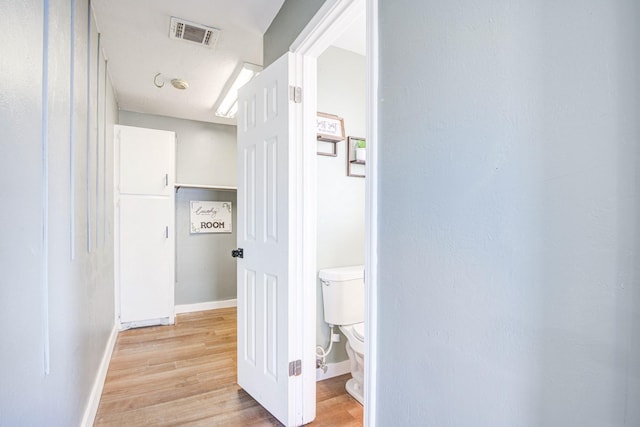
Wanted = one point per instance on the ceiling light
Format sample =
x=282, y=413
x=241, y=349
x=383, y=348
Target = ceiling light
x=179, y=84
x=228, y=107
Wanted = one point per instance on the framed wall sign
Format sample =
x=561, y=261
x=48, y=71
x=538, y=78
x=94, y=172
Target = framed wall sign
x=330, y=127
x=210, y=217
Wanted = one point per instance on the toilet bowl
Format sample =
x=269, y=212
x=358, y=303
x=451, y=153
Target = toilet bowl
x=355, y=351
x=343, y=303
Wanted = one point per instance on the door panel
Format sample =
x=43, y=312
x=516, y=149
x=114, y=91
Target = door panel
x=249, y=194
x=271, y=322
x=271, y=202
x=267, y=314
x=249, y=323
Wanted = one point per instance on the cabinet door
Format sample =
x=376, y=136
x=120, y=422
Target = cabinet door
x=146, y=258
x=146, y=160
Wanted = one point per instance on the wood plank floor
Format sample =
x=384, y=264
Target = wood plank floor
x=186, y=375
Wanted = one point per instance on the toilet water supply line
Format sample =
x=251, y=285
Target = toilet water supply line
x=321, y=353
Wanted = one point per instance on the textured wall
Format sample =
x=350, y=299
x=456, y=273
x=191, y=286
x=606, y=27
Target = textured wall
x=22, y=348
x=293, y=16
x=206, y=155
x=341, y=91
x=56, y=293
x=508, y=213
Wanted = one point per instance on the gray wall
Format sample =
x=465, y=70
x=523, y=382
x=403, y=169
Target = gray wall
x=286, y=26
x=341, y=91
x=204, y=267
x=40, y=280
x=206, y=155
x=508, y=213
x=206, y=152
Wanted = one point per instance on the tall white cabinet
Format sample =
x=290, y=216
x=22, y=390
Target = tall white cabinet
x=144, y=226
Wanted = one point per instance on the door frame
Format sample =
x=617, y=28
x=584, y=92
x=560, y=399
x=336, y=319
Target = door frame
x=314, y=39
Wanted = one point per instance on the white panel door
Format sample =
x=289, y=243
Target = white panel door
x=268, y=298
x=146, y=258
x=146, y=161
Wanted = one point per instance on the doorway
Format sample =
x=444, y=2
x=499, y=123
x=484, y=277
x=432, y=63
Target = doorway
x=340, y=190
x=277, y=142
x=312, y=42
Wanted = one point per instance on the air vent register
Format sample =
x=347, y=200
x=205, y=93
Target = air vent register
x=195, y=33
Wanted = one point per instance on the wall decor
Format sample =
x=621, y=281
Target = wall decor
x=356, y=156
x=330, y=129
x=211, y=217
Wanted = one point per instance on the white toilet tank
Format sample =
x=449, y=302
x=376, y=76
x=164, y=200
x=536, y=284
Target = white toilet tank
x=343, y=294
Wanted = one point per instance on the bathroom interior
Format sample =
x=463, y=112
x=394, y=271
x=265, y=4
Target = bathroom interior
x=341, y=221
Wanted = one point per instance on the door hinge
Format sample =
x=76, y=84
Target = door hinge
x=295, y=94
x=295, y=368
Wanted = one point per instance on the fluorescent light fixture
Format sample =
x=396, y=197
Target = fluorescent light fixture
x=228, y=107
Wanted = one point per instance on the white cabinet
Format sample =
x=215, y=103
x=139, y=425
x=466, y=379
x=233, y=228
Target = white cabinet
x=147, y=161
x=145, y=236
x=146, y=251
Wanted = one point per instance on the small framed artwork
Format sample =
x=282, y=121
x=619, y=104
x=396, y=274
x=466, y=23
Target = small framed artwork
x=356, y=156
x=330, y=129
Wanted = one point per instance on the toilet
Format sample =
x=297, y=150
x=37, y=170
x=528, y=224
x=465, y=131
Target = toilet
x=343, y=303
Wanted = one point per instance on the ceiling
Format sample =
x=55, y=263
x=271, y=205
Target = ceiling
x=135, y=40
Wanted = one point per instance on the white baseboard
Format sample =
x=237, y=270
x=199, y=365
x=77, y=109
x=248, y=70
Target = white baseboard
x=201, y=306
x=96, y=391
x=334, y=370
x=163, y=321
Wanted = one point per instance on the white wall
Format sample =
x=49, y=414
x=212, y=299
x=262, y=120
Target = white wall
x=206, y=155
x=56, y=160
x=508, y=213
x=341, y=91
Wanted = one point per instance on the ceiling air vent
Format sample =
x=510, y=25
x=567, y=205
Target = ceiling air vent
x=192, y=32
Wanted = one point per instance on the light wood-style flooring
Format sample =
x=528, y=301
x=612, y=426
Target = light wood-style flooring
x=185, y=375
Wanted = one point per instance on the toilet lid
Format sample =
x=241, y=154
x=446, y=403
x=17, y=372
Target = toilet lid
x=358, y=331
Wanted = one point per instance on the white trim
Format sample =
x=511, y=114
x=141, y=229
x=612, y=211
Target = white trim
x=91, y=409
x=314, y=39
x=329, y=21
x=44, y=143
x=371, y=219
x=334, y=370
x=162, y=321
x=202, y=306
x=116, y=223
x=304, y=257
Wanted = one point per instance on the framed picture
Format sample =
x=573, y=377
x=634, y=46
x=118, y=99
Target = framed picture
x=356, y=156
x=330, y=127
x=210, y=217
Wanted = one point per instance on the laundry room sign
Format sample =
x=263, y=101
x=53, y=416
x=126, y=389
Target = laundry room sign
x=210, y=217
